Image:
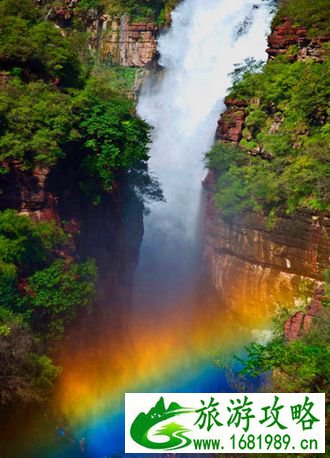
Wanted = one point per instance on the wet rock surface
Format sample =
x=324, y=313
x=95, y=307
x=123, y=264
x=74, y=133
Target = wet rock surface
x=129, y=44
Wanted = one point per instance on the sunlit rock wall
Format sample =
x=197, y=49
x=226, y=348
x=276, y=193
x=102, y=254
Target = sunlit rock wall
x=128, y=44
x=258, y=266
x=250, y=262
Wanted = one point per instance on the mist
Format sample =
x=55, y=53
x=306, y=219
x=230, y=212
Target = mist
x=206, y=39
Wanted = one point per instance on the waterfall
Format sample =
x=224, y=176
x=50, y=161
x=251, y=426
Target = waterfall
x=168, y=332
x=207, y=38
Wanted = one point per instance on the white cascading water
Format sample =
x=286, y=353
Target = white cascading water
x=206, y=39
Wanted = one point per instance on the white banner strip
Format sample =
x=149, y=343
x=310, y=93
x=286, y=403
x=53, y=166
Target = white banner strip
x=225, y=423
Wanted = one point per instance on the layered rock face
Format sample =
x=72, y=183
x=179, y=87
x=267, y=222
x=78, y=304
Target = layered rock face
x=116, y=39
x=231, y=123
x=250, y=263
x=301, y=322
x=128, y=44
x=256, y=266
x=27, y=191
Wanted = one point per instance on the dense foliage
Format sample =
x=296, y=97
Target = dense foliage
x=301, y=365
x=55, y=293
x=34, y=275
x=34, y=47
x=311, y=14
x=50, y=105
x=112, y=136
x=40, y=293
x=56, y=110
x=36, y=123
x=283, y=161
x=139, y=10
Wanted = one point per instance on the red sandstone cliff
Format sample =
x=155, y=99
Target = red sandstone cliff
x=116, y=39
x=250, y=263
x=301, y=322
x=295, y=39
x=128, y=44
x=231, y=123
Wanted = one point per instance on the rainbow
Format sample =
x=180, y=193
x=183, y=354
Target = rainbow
x=169, y=353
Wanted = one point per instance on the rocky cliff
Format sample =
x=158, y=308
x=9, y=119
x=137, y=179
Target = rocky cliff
x=258, y=266
x=117, y=39
x=301, y=322
x=250, y=261
x=128, y=44
x=111, y=232
x=287, y=37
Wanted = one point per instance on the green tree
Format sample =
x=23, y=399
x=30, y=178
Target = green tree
x=302, y=365
x=113, y=137
x=35, y=46
x=54, y=295
x=36, y=282
x=26, y=243
x=141, y=10
x=36, y=122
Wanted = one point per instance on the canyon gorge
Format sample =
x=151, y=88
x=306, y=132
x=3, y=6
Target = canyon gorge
x=178, y=277
x=250, y=260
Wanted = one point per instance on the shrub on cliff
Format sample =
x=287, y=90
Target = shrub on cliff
x=24, y=9
x=36, y=122
x=55, y=294
x=286, y=140
x=35, y=46
x=302, y=365
x=245, y=182
x=27, y=375
x=89, y=4
x=141, y=10
x=311, y=14
x=251, y=183
x=28, y=244
x=113, y=137
x=36, y=282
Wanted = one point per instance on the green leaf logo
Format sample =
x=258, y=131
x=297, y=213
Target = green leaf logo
x=173, y=432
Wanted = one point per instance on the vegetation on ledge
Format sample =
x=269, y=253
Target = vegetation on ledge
x=299, y=366
x=138, y=10
x=52, y=104
x=40, y=293
x=157, y=11
x=282, y=163
x=56, y=110
x=313, y=15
